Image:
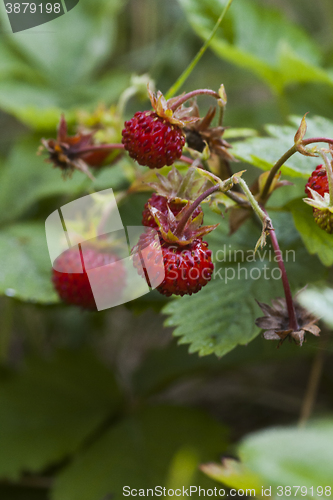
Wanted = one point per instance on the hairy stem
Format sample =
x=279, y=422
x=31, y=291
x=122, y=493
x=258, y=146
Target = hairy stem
x=190, y=209
x=261, y=213
x=186, y=73
x=192, y=94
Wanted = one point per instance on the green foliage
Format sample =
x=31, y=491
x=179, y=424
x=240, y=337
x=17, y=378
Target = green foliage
x=320, y=301
x=141, y=452
x=26, y=272
x=51, y=408
x=218, y=319
x=27, y=179
x=263, y=152
x=281, y=457
x=259, y=39
x=222, y=315
x=86, y=427
x=315, y=239
x=48, y=71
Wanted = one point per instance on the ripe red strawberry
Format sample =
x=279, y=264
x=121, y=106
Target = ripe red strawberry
x=317, y=181
x=73, y=286
x=187, y=268
x=152, y=140
x=155, y=138
x=161, y=203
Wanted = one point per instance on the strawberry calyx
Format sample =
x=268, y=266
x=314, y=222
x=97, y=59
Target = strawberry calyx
x=163, y=108
x=169, y=223
x=322, y=209
x=173, y=110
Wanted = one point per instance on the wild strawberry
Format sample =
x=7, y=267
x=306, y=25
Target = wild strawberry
x=155, y=138
x=187, y=268
x=73, y=286
x=161, y=203
x=318, y=182
x=152, y=141
x=186, y=258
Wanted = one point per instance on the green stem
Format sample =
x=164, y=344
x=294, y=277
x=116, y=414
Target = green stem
x=183, y=77
x=194, y=93
x=190, y=209
x=234, y=196
x=254, y=204
x=274, y=170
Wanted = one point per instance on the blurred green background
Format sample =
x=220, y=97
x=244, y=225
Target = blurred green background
x=90, y=402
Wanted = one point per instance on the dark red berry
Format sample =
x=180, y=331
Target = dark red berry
x=161, y=203
x=151, y=140
x=73, y=286
x=317, y=181
x=187, y=268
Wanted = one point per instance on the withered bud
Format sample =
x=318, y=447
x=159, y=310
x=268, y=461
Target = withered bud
x=70, y=153
x=275, y=323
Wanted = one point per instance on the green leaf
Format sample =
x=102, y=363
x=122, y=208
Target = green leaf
x=39, y=107
x=320, y=302
x=291, y=456
x=27, y=178
x=73, y=46
x=26, y=265
x=217, y=319
x=233, y=474
x=260, y=39
x=47, y=71
x=263, y=152
x=222, y=315
x=315, y=239
x=49, y=409
x=299, y=459
x=159, y=446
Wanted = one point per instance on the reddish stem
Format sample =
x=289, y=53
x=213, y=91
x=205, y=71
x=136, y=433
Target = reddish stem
x=189, y=95
x=190, y=209
x=101, y=147
x=293, y=324
x=186, y=159
x=305, y=142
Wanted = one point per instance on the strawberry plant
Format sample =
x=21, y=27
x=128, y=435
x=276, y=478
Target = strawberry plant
x=166, y=242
